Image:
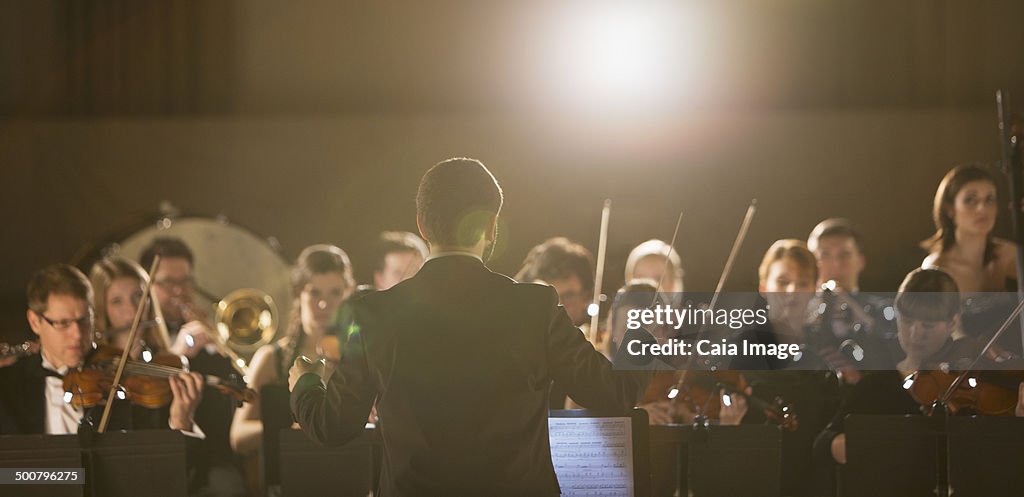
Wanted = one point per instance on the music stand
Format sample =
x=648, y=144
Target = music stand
x=309, y=469
x=985, y=456
x=889, y=456
x=669, y=456
x=717, y=454
x=276, y=414
x=590, y=454
x=132, y=463
x=42, y=451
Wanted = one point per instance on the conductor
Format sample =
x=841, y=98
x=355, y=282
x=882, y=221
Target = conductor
x=459, y=360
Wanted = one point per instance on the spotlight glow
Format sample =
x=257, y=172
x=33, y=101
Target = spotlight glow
x=633, y=55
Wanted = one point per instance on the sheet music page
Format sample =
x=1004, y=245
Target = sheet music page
x=593, y=457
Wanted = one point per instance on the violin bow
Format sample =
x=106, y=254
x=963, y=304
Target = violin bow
x=963, y=374
x=602, y=247
x=127, y=350
x=741, y=235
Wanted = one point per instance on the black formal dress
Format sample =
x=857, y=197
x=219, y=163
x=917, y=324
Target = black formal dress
x=461, y=360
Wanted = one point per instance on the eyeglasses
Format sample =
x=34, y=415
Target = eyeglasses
x=84, y=322
x=168, y=284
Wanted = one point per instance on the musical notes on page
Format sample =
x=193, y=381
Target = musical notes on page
x=593, y=457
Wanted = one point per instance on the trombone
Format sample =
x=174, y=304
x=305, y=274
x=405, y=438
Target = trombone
x=245, y=320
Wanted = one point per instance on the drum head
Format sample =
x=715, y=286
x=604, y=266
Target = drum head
x=227, y=258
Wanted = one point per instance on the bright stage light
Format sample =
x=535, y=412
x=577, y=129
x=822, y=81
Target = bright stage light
x=624, y=55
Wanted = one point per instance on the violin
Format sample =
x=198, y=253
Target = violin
x=988, y=391
x=144, y=383
x=704, y=392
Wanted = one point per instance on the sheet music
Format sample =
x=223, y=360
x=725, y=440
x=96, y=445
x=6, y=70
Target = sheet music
x=593, y=457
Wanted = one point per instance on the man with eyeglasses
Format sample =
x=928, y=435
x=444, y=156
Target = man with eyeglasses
x=569, y=268
x=174, y=288
x=31, y=390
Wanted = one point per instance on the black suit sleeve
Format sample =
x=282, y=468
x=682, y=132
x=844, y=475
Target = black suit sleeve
x=583, y=372
x=336, y=414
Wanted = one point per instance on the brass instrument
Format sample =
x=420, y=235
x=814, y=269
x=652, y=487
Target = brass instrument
x=246, y=320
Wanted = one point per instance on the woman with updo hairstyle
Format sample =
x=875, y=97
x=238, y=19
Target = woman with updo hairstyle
x=321, y=280
x=965, y=211
x=118, y=286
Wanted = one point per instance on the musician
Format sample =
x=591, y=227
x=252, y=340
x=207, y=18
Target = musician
x=965, y=211
x=191, y=336
x=568, y=267
x=118, y=286
x=460, y=359
x=321, y=280
x=963, y=246
x=928, y=312
x=399, y=255
x=647, y=261
x=787, y=278
x=31, y=391
x=855, y=315
x=174, y=288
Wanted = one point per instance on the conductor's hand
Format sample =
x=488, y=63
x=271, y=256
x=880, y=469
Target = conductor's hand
x=302, y=366
x=186, y=393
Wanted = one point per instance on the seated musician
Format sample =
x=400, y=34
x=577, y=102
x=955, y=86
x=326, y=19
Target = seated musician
x=321, y=280
x=398, y=256
x=191, y=336
x=788, y=274
x=118, y=285
x=855, y=318
x=638, y=294
x=927, y=313
x=568, y=267
x=32, y=394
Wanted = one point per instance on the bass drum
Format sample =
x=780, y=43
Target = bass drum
x=227, y=258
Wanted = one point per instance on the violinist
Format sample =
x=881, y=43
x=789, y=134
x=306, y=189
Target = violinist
x=927, y=313
x=569, y=268
x=399, y=255
x=32, y=391
x=788, y=274
x=321, y=280
x=191, y=336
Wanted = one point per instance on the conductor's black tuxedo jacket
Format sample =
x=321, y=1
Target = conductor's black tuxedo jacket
x=460, y=361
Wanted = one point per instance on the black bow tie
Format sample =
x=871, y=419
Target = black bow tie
x=50, y=372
